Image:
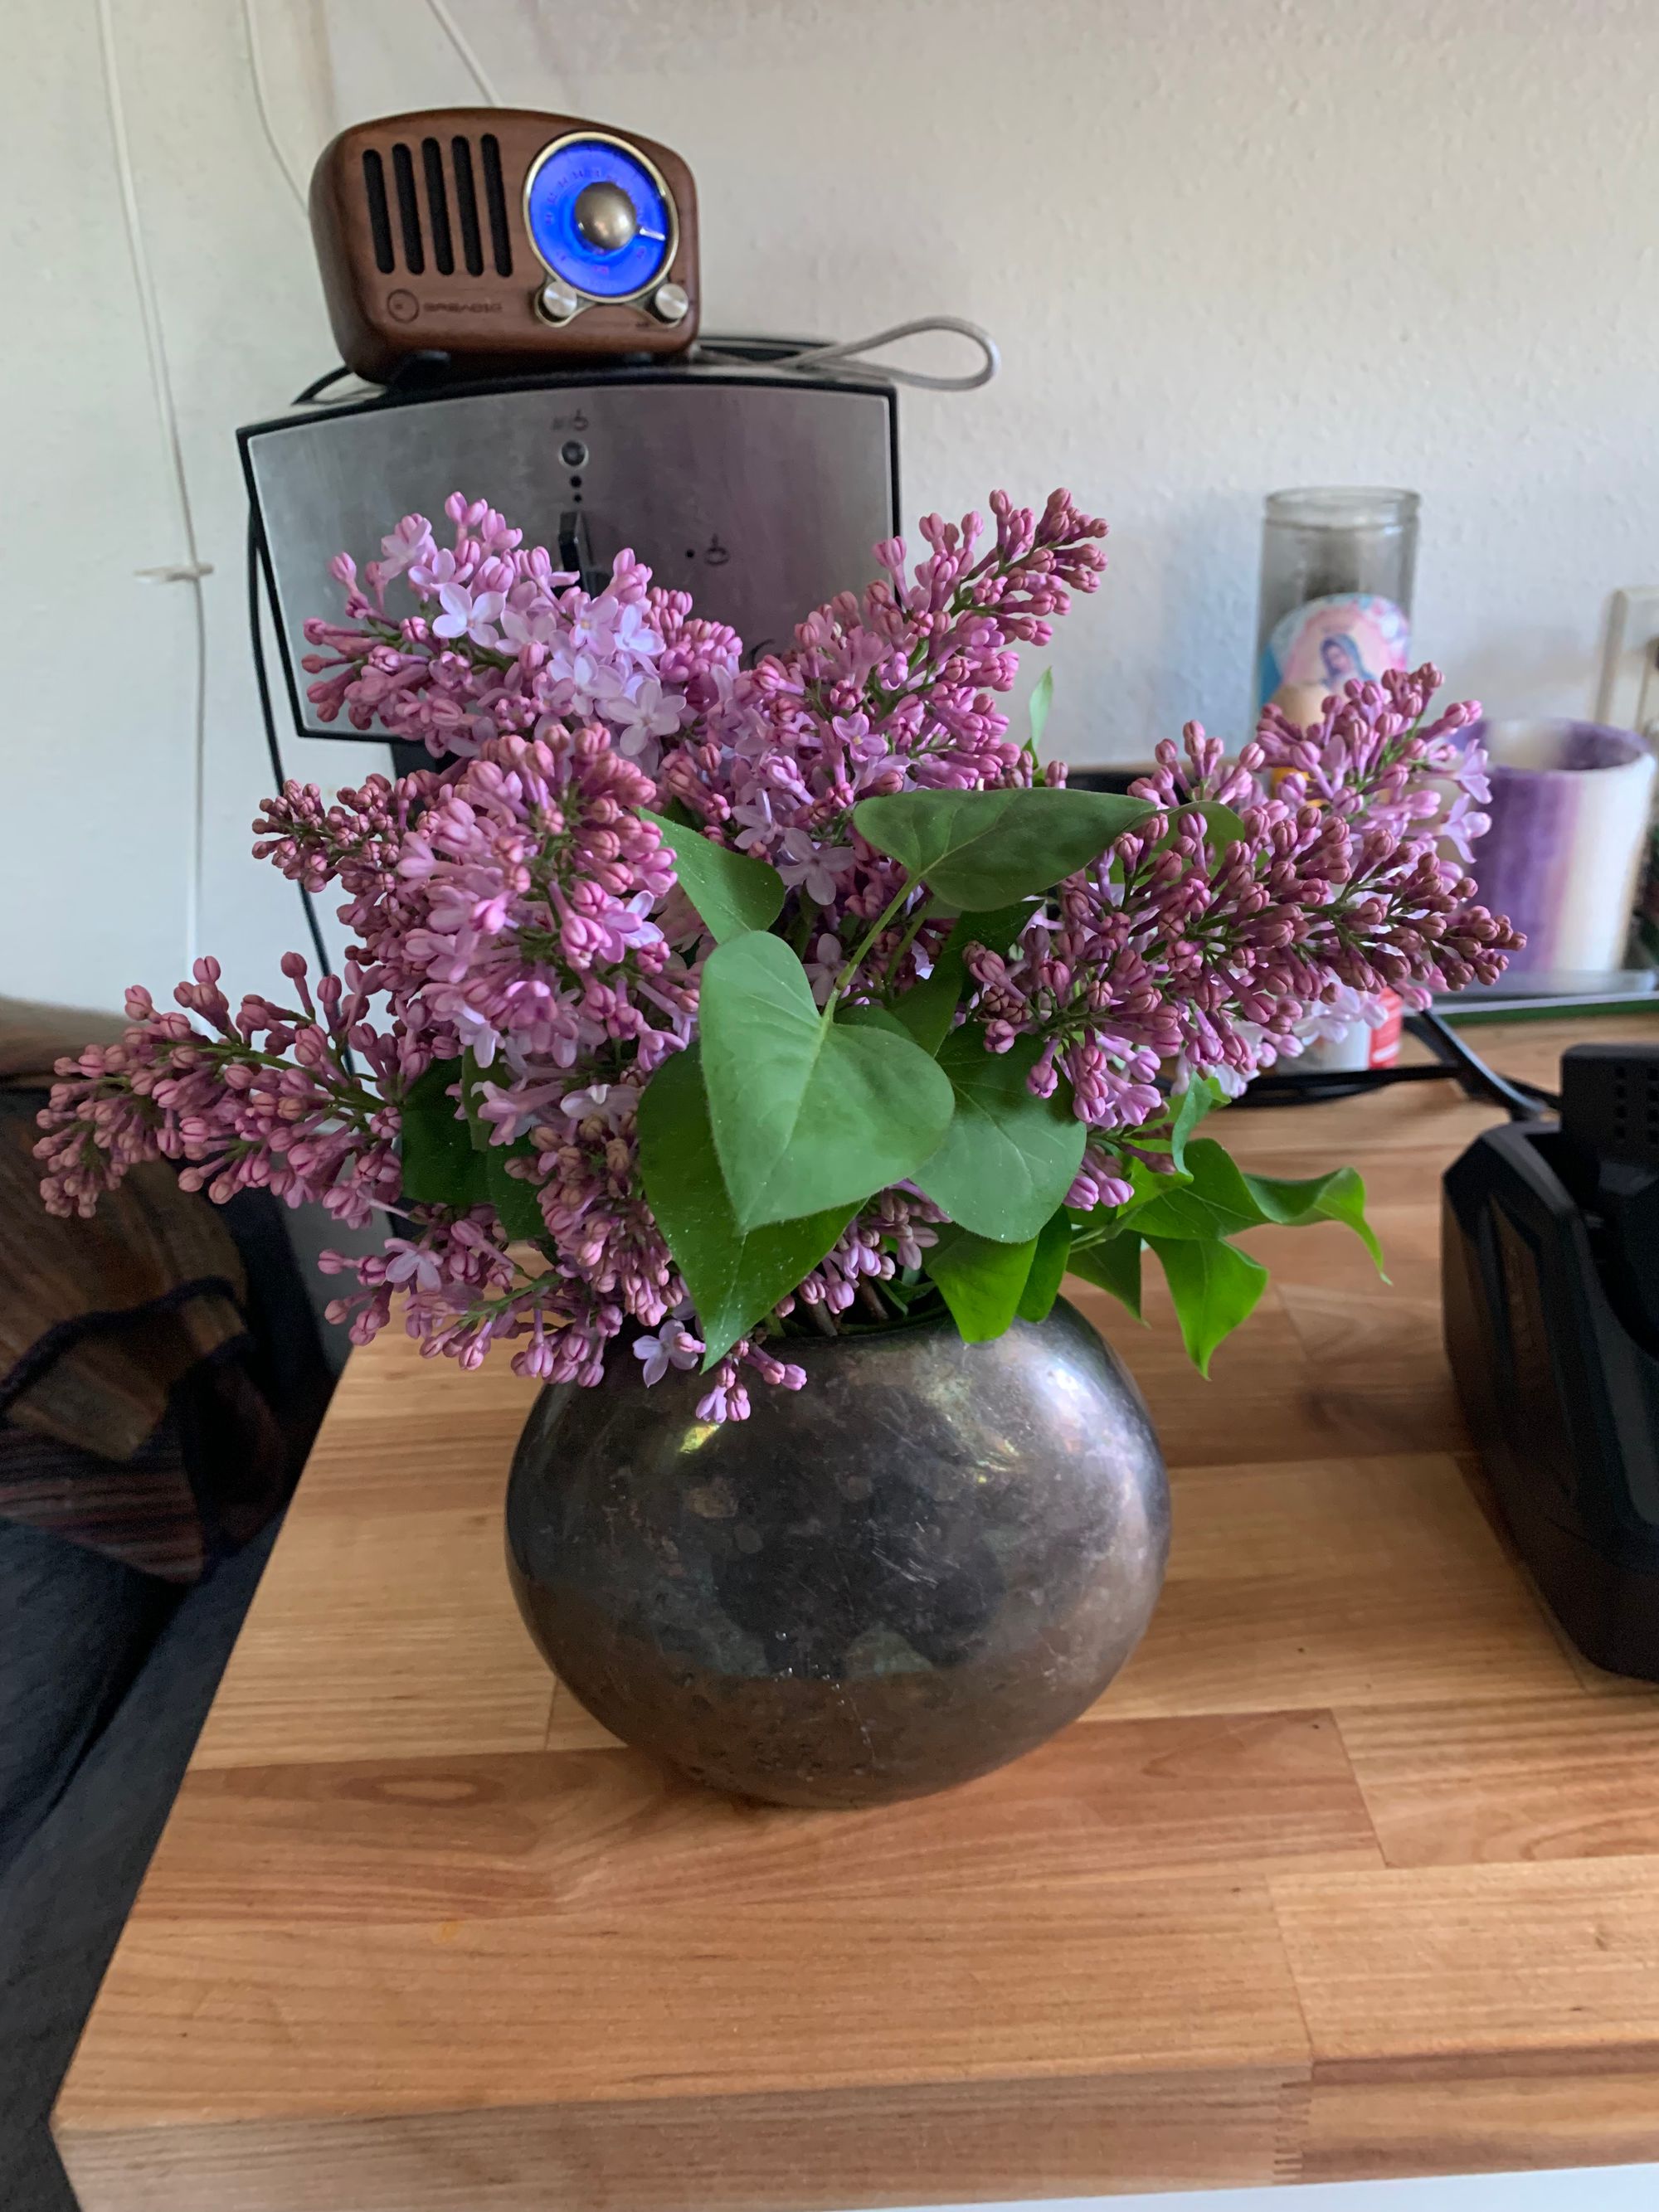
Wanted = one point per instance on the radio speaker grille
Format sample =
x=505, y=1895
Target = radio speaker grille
x=415, y=228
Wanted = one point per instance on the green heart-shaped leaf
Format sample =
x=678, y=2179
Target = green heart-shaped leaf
x=1222, y=826
x=1214, y=1287
x=1113, y=1263
x=434, y=1142
x=868, y=1015
x=927, y=1008
x=1202, y=1096
x=732, y=891
x=984, y=849
x=446, y=1157
x=1215, y=1198
x=734, y=1279
x=1048, y=1271
x=997, y=929
x=1007, y=1159
x=513, y=1200
x=1212, y=1200
x=981, y=1282
x=807, y=1115
x=1338, y=1197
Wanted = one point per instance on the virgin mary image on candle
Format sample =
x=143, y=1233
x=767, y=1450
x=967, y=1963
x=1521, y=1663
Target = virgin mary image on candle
x=1319, y=645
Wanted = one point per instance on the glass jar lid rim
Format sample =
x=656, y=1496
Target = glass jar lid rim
x=1343, y=507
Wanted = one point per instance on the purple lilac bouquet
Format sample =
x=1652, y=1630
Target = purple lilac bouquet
x=699, y=1006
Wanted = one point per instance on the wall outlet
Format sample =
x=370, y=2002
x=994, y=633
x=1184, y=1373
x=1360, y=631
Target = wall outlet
x=1628, y=695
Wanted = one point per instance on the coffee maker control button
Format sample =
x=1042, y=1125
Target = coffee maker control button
x=555, y=302
x=670, y=303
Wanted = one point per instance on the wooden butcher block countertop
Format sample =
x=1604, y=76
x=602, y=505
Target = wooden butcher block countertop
x=1355, y=1871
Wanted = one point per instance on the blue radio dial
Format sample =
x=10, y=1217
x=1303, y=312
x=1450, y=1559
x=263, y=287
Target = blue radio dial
x=599, y=218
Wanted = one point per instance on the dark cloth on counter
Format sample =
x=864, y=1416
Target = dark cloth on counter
x=161, y=1381
x=161, y=1372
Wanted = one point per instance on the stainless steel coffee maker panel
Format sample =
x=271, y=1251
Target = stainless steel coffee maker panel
x=762, y=497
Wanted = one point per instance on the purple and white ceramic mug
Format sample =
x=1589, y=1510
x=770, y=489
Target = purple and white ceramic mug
x=1570, y=810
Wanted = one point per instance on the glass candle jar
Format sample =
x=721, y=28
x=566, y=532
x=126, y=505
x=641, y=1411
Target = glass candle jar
x=1337, y=567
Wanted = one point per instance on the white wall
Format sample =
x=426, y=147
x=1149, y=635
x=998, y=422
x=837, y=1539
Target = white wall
x=1225, y=243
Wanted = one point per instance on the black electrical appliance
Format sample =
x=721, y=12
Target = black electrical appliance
x=1550, y=1259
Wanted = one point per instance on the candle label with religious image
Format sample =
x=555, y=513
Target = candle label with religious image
x=1321, y=644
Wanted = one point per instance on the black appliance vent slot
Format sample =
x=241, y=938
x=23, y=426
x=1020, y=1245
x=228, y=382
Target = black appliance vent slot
x=466, y=205
x=380, y=215
x=409, y=210
x=500, y=238
x=437, y=201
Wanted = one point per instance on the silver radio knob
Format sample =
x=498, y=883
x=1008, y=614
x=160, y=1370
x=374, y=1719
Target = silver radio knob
x=605, y=217
x=671, y=303
x=555, y=302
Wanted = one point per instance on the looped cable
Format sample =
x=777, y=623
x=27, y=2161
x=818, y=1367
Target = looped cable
x=856, y=349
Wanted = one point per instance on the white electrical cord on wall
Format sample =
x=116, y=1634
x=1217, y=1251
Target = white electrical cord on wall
x=192, y=568
x=451, y=29
x=473, y=66
x=262, y=101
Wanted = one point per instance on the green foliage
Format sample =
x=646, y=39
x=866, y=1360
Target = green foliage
x=1189, y=1218
x=471, y=1075
x=997, y=929
x=1007, y=1159
x=512, y=1198
x=1113, y=1263
x=1338, y=1196
x=984, y=849
x=435, y=1143
x=1201, y=1096
x=1211, y=1199
x=982, y=1282
x=807, y=1113
x=1042, y=697
x=1215, y=1198
x=1215, y=1287
x=757, y=1147
x=446, y=1157
x=732, y=891
x=734, y=1278
x=1222, y=826
x=868, y=1015
x=1225, y=827
x=926, y=1009
x=1047, y=1270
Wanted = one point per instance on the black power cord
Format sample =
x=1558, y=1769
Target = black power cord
x=1520, y=1100
x=261, y=674
x=319, y=384
x=262, y=679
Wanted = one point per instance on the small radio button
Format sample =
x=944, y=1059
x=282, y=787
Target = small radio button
x=670, y=303
x=555, y=302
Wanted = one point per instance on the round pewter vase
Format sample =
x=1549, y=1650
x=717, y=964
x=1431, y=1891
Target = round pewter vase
x=903, y=1575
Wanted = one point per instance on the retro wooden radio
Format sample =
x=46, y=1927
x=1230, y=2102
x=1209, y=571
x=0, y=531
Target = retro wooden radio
x=503, y=238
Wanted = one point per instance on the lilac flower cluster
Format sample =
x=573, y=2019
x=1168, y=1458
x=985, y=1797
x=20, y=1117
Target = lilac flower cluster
x=515, y=914
x=502, y=643
x=1189, y=950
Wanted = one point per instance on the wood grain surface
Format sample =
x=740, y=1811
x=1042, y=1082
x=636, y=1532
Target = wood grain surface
x=1354, y=1872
